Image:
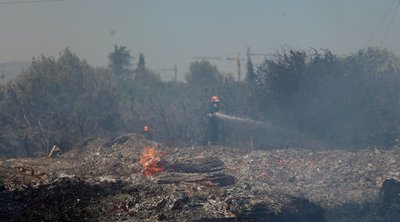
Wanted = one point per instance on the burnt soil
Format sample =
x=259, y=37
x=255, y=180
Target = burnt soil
x=102, y=180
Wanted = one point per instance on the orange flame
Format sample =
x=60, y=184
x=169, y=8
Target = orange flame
x=150, y=160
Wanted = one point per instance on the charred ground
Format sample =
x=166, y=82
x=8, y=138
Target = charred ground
x=102, y=180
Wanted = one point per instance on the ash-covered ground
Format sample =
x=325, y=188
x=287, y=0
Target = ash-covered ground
x=103, y=180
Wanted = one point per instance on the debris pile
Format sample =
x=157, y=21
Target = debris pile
x=134, y=179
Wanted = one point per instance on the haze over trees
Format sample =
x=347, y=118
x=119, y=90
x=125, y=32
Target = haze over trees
x=56, y=101
x=301, y=98
x=342, y=101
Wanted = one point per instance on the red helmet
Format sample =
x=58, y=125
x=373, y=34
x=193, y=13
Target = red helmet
x=146, y=128
x=214, y=99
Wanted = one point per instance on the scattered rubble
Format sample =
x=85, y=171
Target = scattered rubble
x=109, y=180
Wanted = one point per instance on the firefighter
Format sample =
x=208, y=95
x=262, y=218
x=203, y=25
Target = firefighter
x=146, y=132
x=212, y=131
x=214, y=105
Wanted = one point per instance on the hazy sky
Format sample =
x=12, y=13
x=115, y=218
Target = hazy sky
x=171, y=32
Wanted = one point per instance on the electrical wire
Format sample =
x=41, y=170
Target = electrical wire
x=32, y=1
x=390, y=23
x=381, y=22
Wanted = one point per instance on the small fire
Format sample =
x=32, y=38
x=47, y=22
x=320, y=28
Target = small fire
x=150, y=161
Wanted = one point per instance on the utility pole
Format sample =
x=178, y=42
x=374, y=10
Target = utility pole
x=175, y=73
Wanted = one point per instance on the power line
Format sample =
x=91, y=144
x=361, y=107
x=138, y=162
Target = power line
x=381, y=22
x=390, y=23
x=32, y=1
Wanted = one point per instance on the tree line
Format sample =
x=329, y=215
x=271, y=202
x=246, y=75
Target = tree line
x=302, y=98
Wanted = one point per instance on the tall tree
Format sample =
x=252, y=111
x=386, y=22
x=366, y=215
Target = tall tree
x=141, y=63
x=250, y=79
x=203, y=73
x=120, y=62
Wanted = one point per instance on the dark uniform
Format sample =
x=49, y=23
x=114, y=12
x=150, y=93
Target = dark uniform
x=212, y=131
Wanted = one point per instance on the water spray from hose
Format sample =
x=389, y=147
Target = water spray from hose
x=268, y=132
x=247, y=121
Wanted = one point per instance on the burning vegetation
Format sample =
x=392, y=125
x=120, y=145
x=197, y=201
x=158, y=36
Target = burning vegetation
x=108, y=180
x=151, y=161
